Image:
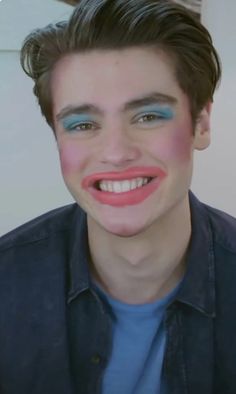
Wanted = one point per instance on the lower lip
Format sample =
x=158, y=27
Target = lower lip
x=132, y=197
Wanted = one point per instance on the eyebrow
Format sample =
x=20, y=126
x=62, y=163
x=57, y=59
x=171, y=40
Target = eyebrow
x=150, y=99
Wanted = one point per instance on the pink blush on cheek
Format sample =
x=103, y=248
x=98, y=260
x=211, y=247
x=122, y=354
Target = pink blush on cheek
x=182, y=146
x=175, y=147
x=72, y=158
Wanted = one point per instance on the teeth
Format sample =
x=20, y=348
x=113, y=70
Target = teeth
x=122, y=186
x=117, y=187
x=109, y=186
x=141, y=182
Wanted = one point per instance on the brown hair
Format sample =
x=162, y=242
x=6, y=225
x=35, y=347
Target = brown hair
x=118, y=24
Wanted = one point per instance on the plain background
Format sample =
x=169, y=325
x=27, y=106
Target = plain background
x=30, y=177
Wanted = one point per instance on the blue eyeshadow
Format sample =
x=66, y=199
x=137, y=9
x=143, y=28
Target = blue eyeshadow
x=72, y=120
x=165, y=111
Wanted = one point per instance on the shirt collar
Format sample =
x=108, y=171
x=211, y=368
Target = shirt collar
x=198, y=287
x=78, y=255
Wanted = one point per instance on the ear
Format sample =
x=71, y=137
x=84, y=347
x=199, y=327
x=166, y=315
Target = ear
x=202, y=128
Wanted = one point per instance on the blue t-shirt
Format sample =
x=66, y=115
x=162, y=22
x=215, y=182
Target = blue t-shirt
x=139, y=339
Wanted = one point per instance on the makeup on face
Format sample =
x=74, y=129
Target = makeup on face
x=152, y=115
x=138, y=91
x=154, y=106
x=145, y=116
x=129, y=187
x=78, y=122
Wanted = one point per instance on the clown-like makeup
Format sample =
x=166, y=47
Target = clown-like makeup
x=78, y=122
x=147, y=116
x=152, y=115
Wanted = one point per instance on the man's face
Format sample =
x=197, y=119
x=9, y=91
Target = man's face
x=122, y=122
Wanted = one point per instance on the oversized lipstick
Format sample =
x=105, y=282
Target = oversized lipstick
x=132, y=197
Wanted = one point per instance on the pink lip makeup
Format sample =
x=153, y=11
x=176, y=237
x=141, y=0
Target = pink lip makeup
x=114, y=188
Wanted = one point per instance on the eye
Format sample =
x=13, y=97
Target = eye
x=148, y=118
x=79, y=126
x=82, y=126
x=153, y=117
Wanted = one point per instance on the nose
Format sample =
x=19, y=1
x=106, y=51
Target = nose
x=118, y=148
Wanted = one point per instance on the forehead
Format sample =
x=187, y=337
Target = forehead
x=110, y=78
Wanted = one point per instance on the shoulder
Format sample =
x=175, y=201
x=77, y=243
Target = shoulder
x=220, y=225
x=44, y=226
x=223, y=227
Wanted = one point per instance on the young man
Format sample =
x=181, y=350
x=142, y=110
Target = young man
x=132, y=288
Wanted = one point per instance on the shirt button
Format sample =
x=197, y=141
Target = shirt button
x=96, y=359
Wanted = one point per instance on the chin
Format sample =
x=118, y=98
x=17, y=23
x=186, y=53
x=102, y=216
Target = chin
x=123, y=230
x=126, y=233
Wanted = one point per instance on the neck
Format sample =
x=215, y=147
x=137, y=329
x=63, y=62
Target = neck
x=144, y=267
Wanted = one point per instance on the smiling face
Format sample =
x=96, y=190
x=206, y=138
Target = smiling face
x=125, y=136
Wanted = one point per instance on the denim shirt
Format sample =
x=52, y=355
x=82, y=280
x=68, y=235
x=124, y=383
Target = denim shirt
x=55, y=331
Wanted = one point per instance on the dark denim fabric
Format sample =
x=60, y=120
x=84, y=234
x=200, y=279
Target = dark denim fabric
x=55, y=332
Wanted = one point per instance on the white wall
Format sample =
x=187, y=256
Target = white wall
x=30, y=176
x=20, y=17
x=215, y=169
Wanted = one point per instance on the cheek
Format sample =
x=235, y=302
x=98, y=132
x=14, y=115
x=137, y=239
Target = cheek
x=177, y=146
x=72, y=158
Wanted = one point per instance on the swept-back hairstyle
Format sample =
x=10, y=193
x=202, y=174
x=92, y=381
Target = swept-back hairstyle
x=119, y=24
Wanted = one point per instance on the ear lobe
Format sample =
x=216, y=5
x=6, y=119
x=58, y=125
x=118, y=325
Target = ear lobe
x=202, y=137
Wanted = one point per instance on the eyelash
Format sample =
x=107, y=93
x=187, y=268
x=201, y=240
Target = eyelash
x=84, y=126
x=75, y=127
x=155, y=117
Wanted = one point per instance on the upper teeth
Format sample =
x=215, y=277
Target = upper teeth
x=122, y=186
